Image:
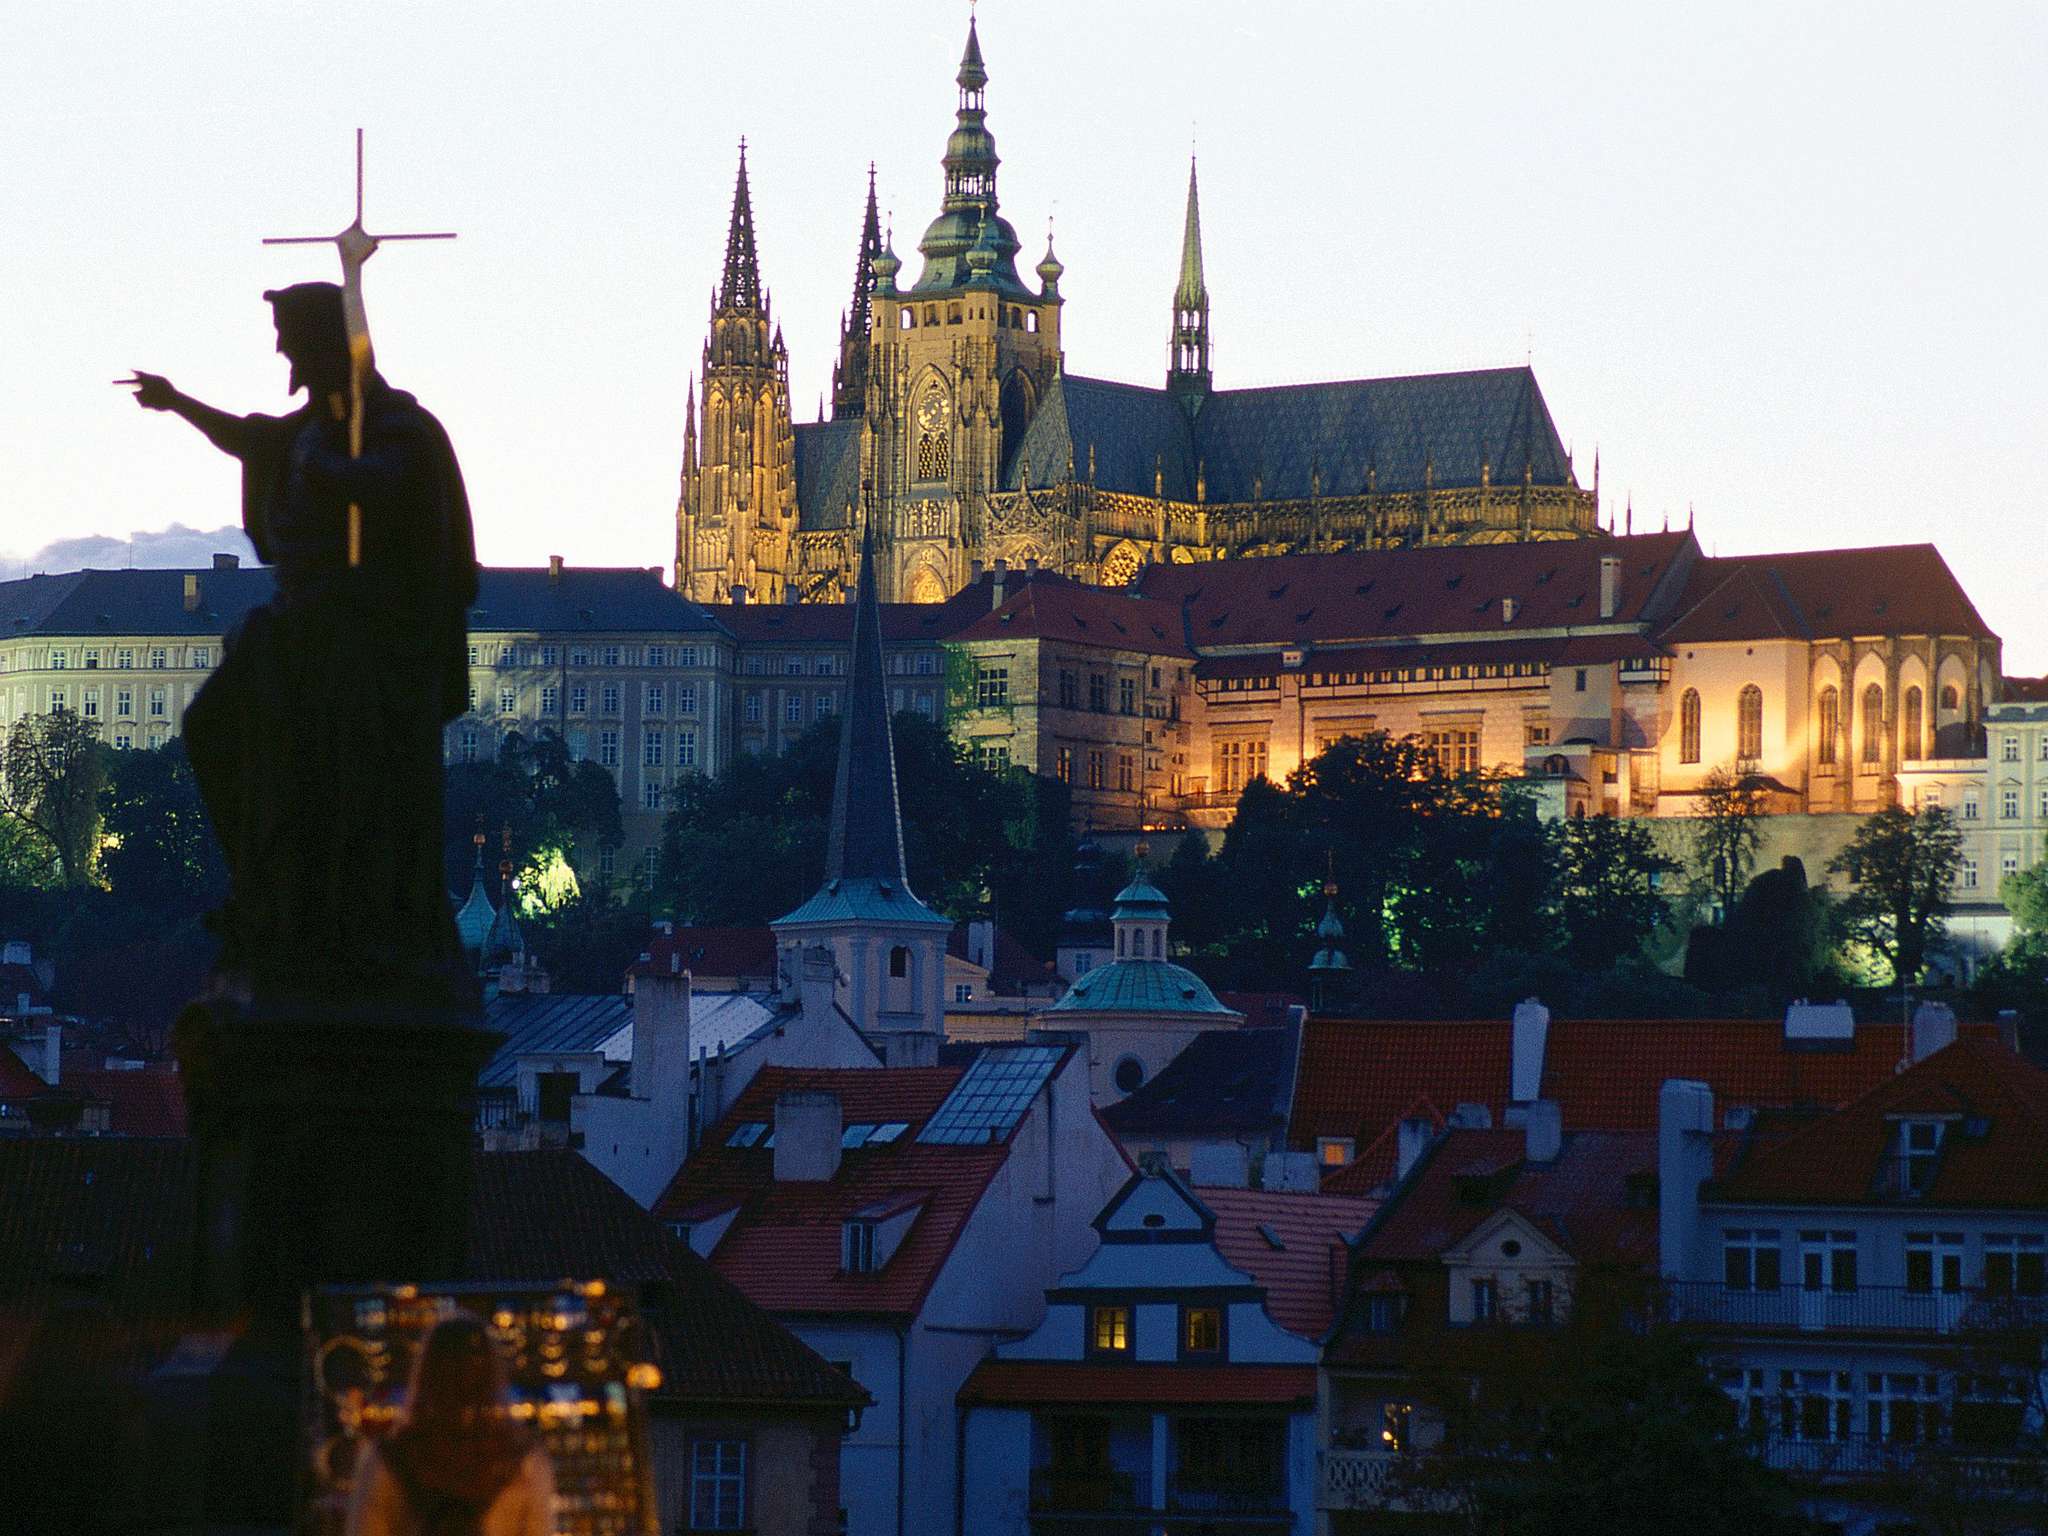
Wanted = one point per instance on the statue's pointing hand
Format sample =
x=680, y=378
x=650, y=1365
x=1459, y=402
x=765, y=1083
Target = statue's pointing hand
x=153, y=392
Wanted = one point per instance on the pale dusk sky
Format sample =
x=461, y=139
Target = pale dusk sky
x=1780, y=263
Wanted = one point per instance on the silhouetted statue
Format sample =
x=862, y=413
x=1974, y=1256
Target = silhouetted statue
x=317, y=743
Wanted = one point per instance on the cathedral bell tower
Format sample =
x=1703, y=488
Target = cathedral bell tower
x=850, y=373
x=956, y=366
x=736, y=519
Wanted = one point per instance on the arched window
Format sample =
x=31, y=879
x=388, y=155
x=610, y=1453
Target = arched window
x=909, y=318
x=1689, y=726
x=934, y=452
x=1015, y=405
x=1749, y=723
x=1829, y=728
x=1158, y=943
x=1119, y=943
x=1909, y=732
x=1950, y=699
x=1030, y=321
x=899, y=963
x=931, y=314
x=1873, y=724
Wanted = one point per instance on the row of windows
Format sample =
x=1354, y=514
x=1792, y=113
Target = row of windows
x=1898, y=1407
x=1455, y=671
x=156, y=658
x=654, y=699
x=2009, y=749
x=513, y=654
x=1096, y=765
x=1752, y=1259
x=1112, y=1331
x=157, y=702
x=1009, y=317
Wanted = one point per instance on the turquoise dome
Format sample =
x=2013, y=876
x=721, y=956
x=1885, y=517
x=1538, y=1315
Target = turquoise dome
x=1140, y=987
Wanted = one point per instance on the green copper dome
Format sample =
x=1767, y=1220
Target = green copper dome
x=1141, y=987
x=1140, y=901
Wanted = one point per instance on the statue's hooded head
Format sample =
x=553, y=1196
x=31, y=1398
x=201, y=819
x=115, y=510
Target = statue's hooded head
x=312, y=335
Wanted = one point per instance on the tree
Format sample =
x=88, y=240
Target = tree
x=1902, y=869
x=1607, y=901
x=555, y=806
x=1726, y=832
x=159, y=850
x=51, y=772
x=1595, y=1425
x=2026, y=897
x=1779, y=942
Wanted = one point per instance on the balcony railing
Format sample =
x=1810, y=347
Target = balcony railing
x=1974, y=1474
x=1068, y=1493
x=1103, y=1501
x=1871, y=1308
x=1375, y=1480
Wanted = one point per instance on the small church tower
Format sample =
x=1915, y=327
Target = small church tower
x=1187, y=364
x=888, y=947
x=736, y=521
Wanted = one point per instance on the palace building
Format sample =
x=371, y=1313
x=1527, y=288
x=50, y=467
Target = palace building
x=955, y=421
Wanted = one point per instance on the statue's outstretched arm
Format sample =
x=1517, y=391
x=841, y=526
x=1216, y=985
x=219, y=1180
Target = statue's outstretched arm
x=226, y=431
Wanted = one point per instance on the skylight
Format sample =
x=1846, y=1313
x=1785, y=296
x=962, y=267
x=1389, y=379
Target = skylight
x=986, y=1104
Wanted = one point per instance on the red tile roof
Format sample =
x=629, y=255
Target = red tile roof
x=1113, y=620
x=1840, y=1158
x=1901, y=589
x=1025, y=1382
x=783, y=1249
x=1606, y=1074
x=146, y=1101
x=1583, y=1201
x=1304, y=1277
x=2024, y=690
x=1363, y=595
x=1357, y=1077
x=710, y=952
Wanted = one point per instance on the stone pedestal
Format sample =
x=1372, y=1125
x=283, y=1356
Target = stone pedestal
x=334, y=1144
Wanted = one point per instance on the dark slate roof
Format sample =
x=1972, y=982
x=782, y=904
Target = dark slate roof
x=549, y=1021
x=1111, y=619
x=1226, y=1082
x=544, y=1214
x=827, y=471
x=106, y=1222
x=142, y=602
x=1390, y=429
x=152, y=602
x=595, y=598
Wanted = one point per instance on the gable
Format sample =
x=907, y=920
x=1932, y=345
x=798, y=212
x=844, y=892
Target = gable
x=1155, y=1208
x=1506, y=1238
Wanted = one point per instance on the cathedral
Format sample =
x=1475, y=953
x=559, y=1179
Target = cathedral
x=958, y=433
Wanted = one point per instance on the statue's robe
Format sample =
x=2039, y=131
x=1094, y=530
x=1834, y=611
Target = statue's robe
x=317, y=742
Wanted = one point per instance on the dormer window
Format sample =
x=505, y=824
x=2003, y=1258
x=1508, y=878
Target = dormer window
x=1383, y=1311
x=858, y=1251
x=1334, y=1151
x=1201, y=1332
x=1109, y=1331
x=1916, y=1149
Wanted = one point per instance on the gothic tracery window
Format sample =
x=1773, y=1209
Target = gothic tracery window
x=1829, y=727
x=1873, y=724
x=1909, y=734
x=934, y=453
x=1749, y=723
x=1689, y=726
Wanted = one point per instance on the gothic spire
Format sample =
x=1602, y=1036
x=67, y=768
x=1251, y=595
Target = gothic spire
x=850, y=373
x=1187, y=369
x=741, y=286
x=866, y=837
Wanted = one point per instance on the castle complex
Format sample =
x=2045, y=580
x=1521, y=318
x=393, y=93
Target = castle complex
x=954, y=419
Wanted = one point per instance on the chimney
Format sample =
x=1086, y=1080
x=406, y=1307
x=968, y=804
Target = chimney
x=1685, y=1159
x=661, y=1034
x=807, y=1132
x=1610, y=586
x=1411, y=1141
x=1219, y=1165
x=1934, y=1029
x=1543, y=1131
x=995, y=591
x=191, y=592
x=817, y=975
x=981, y=943
x=739, y=593
x=1470, y=1117
x=555, y=568
x=1031, y=565
x=789, y=595
x=227, y=562
x=1294, y=1171
x=1531, y=1032
x=973, y=572
x=53, y=1054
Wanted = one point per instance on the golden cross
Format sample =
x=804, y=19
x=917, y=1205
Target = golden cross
x=355, y=245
